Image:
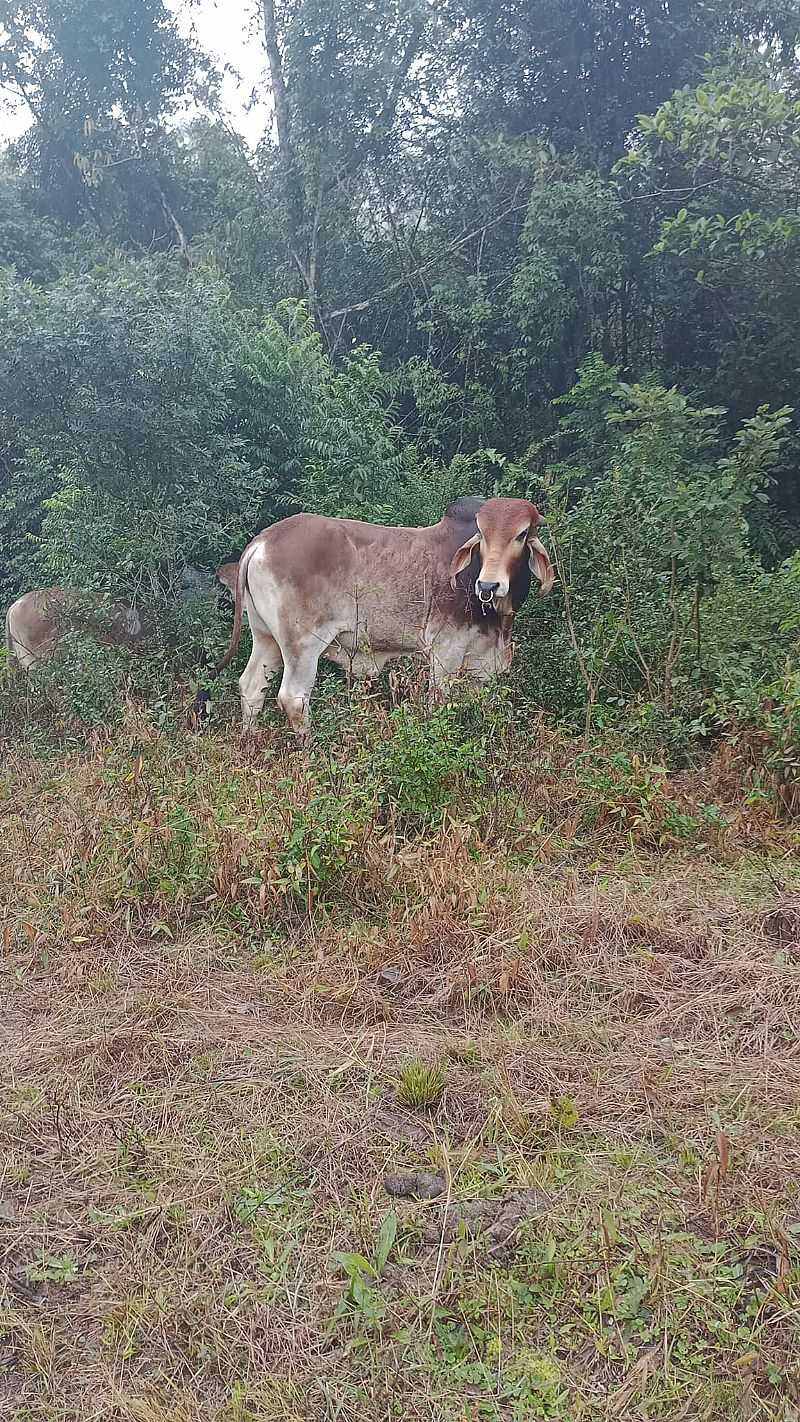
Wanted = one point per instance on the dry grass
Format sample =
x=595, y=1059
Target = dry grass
x=200, y=1068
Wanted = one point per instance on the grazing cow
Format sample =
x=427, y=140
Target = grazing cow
x=227, y=573
x=360, y=594
x=37, y=621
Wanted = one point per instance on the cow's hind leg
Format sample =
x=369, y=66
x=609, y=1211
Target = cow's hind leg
x=299, y=676
x=265, y=659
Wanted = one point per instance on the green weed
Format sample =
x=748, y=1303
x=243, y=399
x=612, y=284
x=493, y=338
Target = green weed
x=52, y=1268
x=361, y=1303
x=420, y=1084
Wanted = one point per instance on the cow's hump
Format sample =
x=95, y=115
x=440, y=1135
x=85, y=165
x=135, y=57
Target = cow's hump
x=465, y=509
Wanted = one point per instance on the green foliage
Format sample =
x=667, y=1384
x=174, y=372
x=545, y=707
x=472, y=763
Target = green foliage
x=97, y=82
x=642, y=550
x=440, y=276
x=423, y=764
x=52, y=1268
x=85, y=681
x=321, y=835
x=355, y=460
x=729, y=243
x=114, y=396
x=361, y=1304
x=572, y=253
x=761, y=720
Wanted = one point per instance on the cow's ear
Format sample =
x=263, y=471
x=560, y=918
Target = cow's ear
x=540, y=565
x=462, y=558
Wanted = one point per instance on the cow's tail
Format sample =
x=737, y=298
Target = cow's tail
x=9, y=641
x=241, y=586
x=201, y=708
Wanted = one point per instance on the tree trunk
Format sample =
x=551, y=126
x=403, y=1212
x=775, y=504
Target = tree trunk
x=293, y=191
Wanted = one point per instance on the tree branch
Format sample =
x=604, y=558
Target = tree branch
x=176, y=226
x=379, y=128
x=426, y=266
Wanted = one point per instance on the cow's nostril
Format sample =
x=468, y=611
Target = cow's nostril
x=486, y=590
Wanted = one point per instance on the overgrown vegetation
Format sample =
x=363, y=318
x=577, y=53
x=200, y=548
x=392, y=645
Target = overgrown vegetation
x=428, y=280
x=448, y=1071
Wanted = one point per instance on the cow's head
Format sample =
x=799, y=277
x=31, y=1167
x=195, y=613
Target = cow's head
x=227, y=573
x=505, y=541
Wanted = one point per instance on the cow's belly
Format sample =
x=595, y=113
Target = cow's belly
x=361, y=664
x=362, y=660
x=467, y=651
x=384, y=631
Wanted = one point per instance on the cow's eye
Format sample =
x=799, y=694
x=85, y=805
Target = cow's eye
x=522, y=536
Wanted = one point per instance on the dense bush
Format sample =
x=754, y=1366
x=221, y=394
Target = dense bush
x=663, y=607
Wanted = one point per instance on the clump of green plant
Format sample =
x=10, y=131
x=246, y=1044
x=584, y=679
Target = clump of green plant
x=632, y=794
x=6, y=669
x=420, y=1083
x=625, y=789
x=648, y=517
x=52, y=1268
x=422, y=766
x=320, y=838
x=535, y=1383
x=86, y=679
x=765, y=737
x=361, y=1301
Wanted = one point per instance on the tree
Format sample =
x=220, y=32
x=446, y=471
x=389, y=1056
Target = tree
x=98, y=82
x=343, y=79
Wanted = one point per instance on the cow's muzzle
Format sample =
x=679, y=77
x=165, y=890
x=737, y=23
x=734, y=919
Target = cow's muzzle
x=487, y=592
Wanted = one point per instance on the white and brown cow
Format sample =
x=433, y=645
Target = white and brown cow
x=360, y=594
x=37, y=622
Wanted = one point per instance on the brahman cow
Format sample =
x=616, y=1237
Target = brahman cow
x=360, y=594
x=38, y=620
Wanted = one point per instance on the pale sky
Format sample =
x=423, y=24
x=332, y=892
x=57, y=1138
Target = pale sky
x=228, y=31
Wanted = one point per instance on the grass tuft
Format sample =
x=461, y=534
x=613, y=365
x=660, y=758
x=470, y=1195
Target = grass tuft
x=420, y=1084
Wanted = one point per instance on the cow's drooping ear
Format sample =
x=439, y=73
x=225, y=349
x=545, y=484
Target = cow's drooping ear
x=462, y=558
x=540, y=565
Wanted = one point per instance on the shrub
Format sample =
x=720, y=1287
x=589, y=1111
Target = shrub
x=421, y=766
x=763, y=737
x=320, y=838
x=85, y=680
x=643, y=548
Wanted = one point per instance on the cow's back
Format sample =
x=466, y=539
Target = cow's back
x=368, y=581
